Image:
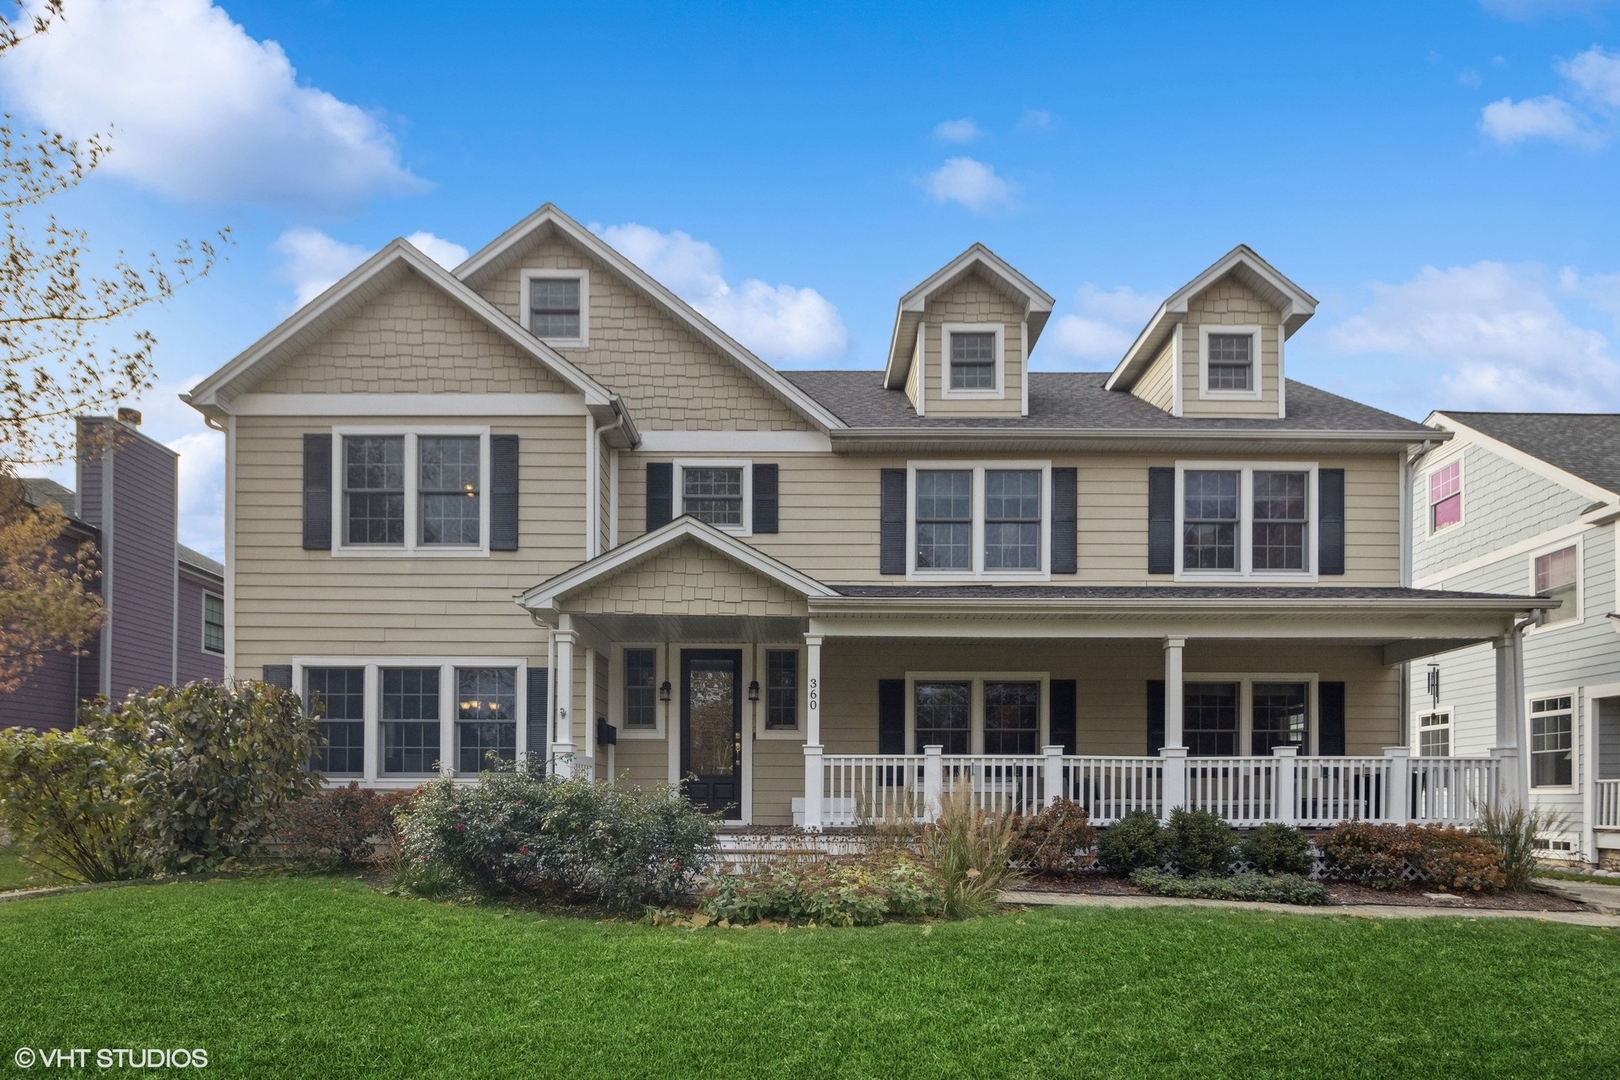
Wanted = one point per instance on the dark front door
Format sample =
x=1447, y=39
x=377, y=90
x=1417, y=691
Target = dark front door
x=711, y=728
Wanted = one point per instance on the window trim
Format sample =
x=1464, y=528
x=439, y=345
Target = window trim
x=1246, y=681
x=374, y=775
x=1462, y=493
x=761, y=671
x=530, y=274
x=616, y=703
x=1245, y=570
x=1578, y=542
x=207, y=594
x=977, y=572
x=976, y=704
x=1255, y=392
x=412, y=548
x=1574, y=785
x=989, y=394
x=678, y=501
x=1450, y=713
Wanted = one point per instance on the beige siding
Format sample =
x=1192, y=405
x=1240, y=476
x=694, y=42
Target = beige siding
x=973, y=299
x=829, y=507
x=1157, y=386
x=670, y=377
x=687, y=579
x=414, y=339
x=1229, y=302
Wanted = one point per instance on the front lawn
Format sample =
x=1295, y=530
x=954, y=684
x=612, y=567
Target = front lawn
x=324, y=977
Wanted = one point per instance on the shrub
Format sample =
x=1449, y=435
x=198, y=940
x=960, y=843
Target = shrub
x=1200, y=842
x=1458, y=859
x=1275, y=848
x=342, y=826
x=1513, y=832
x=827, y=893
x=1273, y=888
x=1135, y=842
x=526, y=832
x=1390, y=856
x=970, y=848
x=1052, y=841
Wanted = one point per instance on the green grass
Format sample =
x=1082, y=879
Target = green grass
x=324, y=977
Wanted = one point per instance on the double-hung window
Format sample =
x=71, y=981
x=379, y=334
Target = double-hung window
x=556, y=305
x=781, y=690
x=486, y=717
x=410, y=720
x=1280, y=717
x=1227, y=361
x=1012, y=718
x=944, y=716
x=718, y=493
x=1434, y=734
x=1558, y=577
x=338, y=696
x=413, y=492
x=213, y=639
x=973, y=365
x=1552, y=742
x=640, y=689
x=1209, y=718
x=986, y=521
x=1246, y=521
x=1445, y=496
x=977, y=713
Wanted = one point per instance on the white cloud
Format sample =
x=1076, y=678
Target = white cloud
x=1495, y=334
x=1535, y=10
x=313, y=260
x=1104, y=323
x=198, y=109
x=1035, y=120
x=779, y=322
x=1593, y=77
x=1469, y=78
x=972, y=183
x=1595, y=74
x=961, y=131
x=1548, y=117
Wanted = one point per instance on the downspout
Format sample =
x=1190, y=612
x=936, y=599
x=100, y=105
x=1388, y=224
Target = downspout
x=1520, y=733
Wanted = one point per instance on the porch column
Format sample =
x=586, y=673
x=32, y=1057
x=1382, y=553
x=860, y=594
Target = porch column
x=562, y=680
x=813, y=775
x=1174, y=699
x=1398, y=809
x=1286, y=791
x=1509, y=702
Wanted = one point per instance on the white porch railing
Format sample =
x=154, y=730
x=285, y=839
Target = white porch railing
x=1606, y=805
x=1313, y=792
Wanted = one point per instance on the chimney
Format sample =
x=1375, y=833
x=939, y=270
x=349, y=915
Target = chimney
x=132, y=417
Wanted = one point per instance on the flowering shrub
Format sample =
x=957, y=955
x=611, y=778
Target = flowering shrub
x=1381, y=856
x=1053, y=841
x=827, y=893
x=575, y=839
x=342, y=826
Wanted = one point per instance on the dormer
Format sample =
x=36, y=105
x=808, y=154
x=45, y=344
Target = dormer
x=962, y=338
x=1215, y=346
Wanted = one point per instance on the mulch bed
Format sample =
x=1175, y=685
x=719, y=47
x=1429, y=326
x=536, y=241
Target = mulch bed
x=1093, y=884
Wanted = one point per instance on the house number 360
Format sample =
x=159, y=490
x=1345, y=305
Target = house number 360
x=815, y=694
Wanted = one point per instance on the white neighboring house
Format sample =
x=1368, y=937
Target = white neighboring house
x=1528, y=502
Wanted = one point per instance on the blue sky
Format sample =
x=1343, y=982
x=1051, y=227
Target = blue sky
x=1441, y=176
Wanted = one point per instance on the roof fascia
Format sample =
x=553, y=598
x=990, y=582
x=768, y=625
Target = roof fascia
x=1523, y=458
x=885, y=439
x=922, y=605
x=549, y=214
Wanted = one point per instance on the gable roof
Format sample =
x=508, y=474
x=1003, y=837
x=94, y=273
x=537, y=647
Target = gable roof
x=544, y=597
x=1584, y=445
x=978, y=258
x=1295, y=303
x=213, y=395
x=489, y=258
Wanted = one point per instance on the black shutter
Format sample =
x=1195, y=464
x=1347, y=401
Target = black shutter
x=1161, y=521
x=1330, y=523
x=1060, y=714
x=317, y=493
x=660, y=494
x=503, y=493
x=278, y=675
x=1065, y=541
x=1155, y=717
x=1330, y=725
x=892, y=538
x=891, y=716
x=539, y=681
x=765, y=478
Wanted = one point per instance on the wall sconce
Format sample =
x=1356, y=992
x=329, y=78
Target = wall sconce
x=663, y=691
x=753, y=690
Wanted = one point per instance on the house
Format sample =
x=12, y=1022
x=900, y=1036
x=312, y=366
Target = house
x=538, y=505
x=1528, y=503
x=164, y=604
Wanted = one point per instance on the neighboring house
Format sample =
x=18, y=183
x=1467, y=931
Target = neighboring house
x=1528, y=502
x=539, y=505
x=164, y=620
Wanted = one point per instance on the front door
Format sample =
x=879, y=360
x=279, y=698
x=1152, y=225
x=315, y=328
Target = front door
x=711, y=728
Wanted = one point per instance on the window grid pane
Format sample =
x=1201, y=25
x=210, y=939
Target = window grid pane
x=486, y=717
x=944, y=716
x=213, y=622
x=713, y=495
x=1552, y=742
x=1231, y=361
x=640, y=688
x=554, y=307
x=1557, y=579
x=1280, y=520
x=374, y=489
x=1280, y=717
x=338, y=696
x=1012, y=519
x=973, y=361
x=1012, y=722
x=448, y=480
x=1209, y=520
x=410, y=719
x=944, y=519
x=1209, y=718
x=781, y=690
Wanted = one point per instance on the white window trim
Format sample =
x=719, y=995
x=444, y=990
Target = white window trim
x=373, y=775
x=1574, y=695
x=762, y=668
x=976, y=703
x=977, y=572
x=1000, y=330
x=584, y=279
x=616, y=702
x=747, y=467
x=1450, y=725
x=1578, y=542
x=1462, y=491
x=1256, y=374
x=203, y=629
x=411, y=548
x=1245, y=570
x=1246, y=681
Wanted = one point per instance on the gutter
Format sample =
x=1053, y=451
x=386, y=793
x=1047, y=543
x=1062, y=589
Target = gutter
x=933, y=606
x=857, y=438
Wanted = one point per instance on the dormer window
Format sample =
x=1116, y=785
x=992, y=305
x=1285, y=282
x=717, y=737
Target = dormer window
x=973, y=360
x=1226, y=361
x=556, y=306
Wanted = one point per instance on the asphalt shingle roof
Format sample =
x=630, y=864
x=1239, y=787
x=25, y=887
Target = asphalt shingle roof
x=1585, y=444
x=1077, y=400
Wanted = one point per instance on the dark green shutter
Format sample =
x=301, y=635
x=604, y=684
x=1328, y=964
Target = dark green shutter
x=891, y=716
x=503, y=493
x=1062, y=695
x=660, y=494
x=1330, y=523
x=1330, y=725
x=1161, y=521
x=278, y=675
x=318, y=492
x=892, y=527
x=538, y=683
x=1155, y=716
x=765, y=512
x=1065, y=539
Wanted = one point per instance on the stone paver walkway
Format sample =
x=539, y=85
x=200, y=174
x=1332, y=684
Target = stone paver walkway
x=1606, y=897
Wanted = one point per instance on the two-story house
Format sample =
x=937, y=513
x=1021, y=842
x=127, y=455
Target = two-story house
x=1528, y=503
x=538, y=505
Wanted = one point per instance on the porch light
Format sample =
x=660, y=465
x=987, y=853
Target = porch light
x=753, y=690
x=663, y=690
